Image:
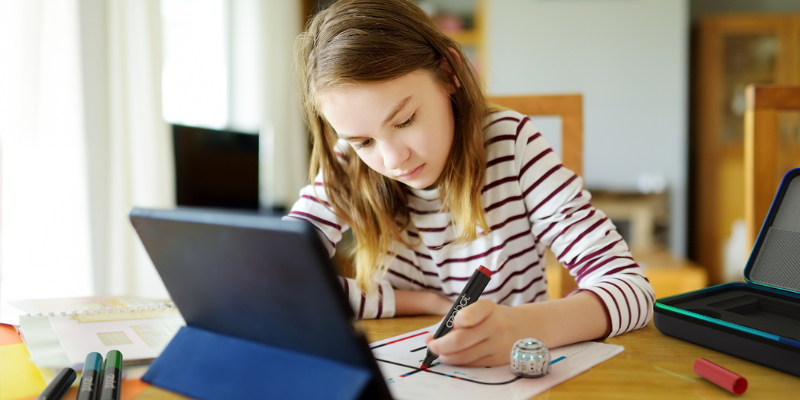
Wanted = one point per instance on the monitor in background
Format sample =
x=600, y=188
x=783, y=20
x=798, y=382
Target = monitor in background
x=215, y=168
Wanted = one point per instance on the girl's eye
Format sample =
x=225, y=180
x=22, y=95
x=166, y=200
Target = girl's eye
x=363, y=144
x=368, y=142
x=408, y=121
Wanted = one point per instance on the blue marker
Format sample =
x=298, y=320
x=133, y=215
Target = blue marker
x=89, y=378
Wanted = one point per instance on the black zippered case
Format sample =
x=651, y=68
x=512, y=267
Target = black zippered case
x=758, y=320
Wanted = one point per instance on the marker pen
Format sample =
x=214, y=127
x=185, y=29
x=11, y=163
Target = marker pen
x=112, y=374
x=59, y=385
x=92, y=368
x=472, y=291
x=720, y=376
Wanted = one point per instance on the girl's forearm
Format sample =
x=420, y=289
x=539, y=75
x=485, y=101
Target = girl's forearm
x=573, y=319
x=409, y=302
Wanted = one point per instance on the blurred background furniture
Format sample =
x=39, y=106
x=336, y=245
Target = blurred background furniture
x=641, y=218
x=771, y=148
x=730, y=52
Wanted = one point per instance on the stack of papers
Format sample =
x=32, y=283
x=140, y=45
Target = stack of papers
x=59, y=333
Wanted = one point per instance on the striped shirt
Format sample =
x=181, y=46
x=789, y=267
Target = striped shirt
x=531, y=202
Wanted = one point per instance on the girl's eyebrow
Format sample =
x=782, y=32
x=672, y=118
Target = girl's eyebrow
x=397, y=109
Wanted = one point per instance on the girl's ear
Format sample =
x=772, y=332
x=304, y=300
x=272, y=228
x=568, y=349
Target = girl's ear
x=446, y=66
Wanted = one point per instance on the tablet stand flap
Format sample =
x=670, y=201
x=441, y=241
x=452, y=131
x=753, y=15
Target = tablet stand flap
x=206, y=365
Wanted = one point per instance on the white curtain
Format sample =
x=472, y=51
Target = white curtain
x=140, y=146
x=83, y=140
x=46, y=238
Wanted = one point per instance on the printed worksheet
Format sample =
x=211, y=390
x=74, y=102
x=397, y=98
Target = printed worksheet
x=400, y=359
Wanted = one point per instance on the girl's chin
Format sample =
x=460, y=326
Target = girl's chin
x=423, y=185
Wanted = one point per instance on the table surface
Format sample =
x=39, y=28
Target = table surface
x=653, y=366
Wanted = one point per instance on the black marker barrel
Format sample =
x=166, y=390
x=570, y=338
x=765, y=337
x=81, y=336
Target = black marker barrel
x=472, y=291
x=92, y=368
x=59, y=385
x=112, y=376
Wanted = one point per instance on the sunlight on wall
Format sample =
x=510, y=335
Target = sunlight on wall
x=195, y=76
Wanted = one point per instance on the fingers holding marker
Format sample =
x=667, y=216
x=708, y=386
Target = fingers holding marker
x=468, y=329
x=469, y=295
x=468, y=354
x=465, y=337
x=475, y=314
x=457, y=341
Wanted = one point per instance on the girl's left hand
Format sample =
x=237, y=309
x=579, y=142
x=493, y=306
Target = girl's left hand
x=482, y=335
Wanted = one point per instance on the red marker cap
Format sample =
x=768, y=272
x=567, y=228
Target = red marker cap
x=721, y=377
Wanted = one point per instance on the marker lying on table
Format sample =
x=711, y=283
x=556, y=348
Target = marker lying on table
x=90, y=376
x=720, y=376
x=472, y=291
x=59, y=385
x=112, y=374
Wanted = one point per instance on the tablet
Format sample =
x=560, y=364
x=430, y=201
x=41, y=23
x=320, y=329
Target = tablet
x=256, y=277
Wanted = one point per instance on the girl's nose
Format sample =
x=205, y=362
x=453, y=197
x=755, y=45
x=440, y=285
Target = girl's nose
x=394, y=155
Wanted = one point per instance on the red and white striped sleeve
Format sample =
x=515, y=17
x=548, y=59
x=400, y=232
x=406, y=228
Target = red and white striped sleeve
x=379, y=303
x=583, y=238
x=313, y=207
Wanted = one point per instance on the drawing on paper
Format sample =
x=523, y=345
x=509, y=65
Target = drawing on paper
x=407, y=352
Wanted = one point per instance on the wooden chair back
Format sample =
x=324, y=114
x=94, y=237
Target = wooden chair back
x=771, y=148
x=570, y=108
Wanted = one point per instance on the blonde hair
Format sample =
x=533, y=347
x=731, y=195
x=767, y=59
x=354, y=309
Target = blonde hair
x=379, y=40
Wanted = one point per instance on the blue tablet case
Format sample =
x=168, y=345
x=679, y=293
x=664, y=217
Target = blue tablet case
x=206, y=365
x=261, y=300
x=758, y=320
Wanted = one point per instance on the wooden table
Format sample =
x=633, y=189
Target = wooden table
x=653, y=366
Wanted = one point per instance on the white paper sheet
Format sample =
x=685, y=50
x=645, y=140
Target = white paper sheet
x=400, y=358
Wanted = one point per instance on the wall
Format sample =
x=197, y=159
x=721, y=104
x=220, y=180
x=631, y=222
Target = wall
x=284, y=141
x=630, y=61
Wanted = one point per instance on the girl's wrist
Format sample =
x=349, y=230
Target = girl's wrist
x=410, y=302
x=440, y=305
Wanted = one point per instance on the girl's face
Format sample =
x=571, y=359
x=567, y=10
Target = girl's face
x=402, y=129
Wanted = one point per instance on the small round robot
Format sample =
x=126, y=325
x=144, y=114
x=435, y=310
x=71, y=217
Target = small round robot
x=530, y=358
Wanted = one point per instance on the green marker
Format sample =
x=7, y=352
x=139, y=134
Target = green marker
x=112, y=376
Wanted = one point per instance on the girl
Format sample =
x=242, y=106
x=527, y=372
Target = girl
x=433, y=183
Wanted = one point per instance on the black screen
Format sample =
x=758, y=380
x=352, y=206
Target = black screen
x=215, y=168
